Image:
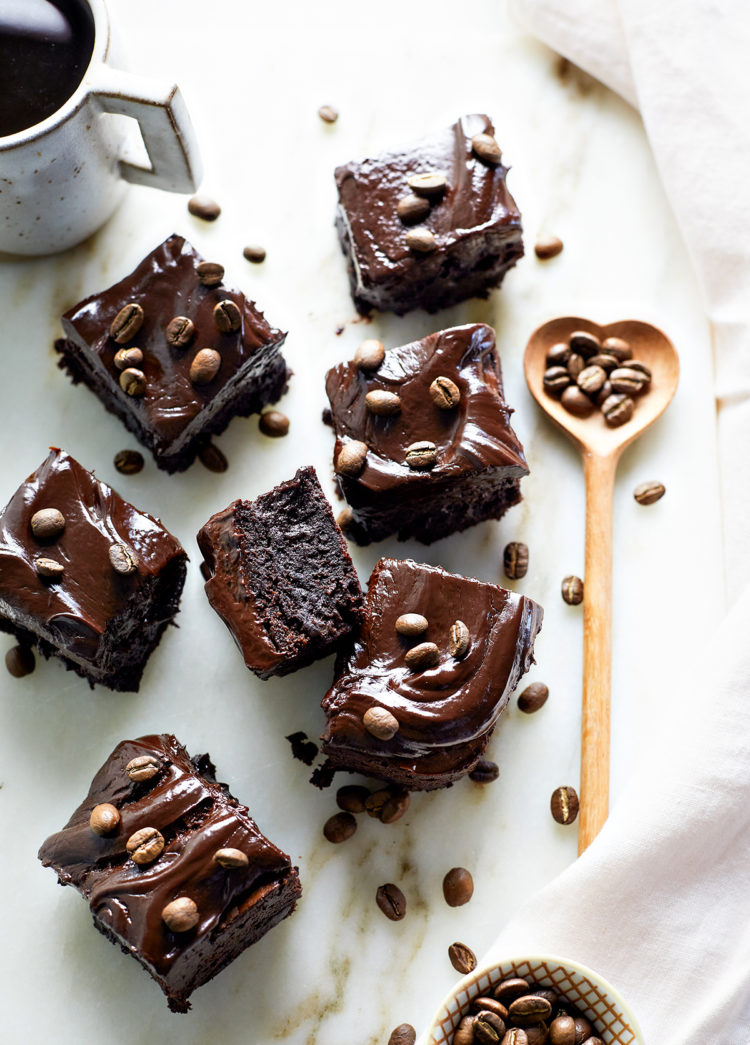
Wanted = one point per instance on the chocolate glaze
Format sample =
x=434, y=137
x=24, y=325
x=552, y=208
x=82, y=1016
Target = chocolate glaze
x=445, y=713
x=196, y=816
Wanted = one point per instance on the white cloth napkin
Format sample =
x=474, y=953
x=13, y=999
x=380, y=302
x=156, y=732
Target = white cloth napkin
x=660, y=903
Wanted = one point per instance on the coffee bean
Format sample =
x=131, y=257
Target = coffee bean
x=584, y=1029
x=376, y=802
x=549, y=994
x=421, y=455
x=344, y=519
x=591, y=378
x=445, y=393
x=603, y=394
x=564, y=805
x=391, y=901
x=462, y=958
x=254, y=253
x=574, y=365
x=339, y=827
x=617, y=409
x=19, y=660
x=431, y=184
x=617, y=347
x=594, y=1040
x=636, y=364
x=584, y=343
x=422, y=657
x=227, y=316
x=403, y=1035
x=490, y=1005
x=328, y=114
x=351, y=798
x=205, y=366
x=458, y=887
x=464, y=1034
x=383, y=403
x=536, y=1033
x=508, y=990
x=555, y=380
x=133, y=382
x=204, y=207
x=181, y=915
x=231, y=859
x=489, y=1028
x=128, y=462
x=529, y=1008
x=412, y=209
x=128, y=358
x=548, y=247
x=607, y=363
x=370, y=354
x=212, y=458
x=562, y=1031
x=459, y=639
x=50, y=569
x=486, y=149
x=145, y=845
x=47, y=522
x=104, y=819
x=649, y=493
x=209, y=273
x=351, y=458
x=122, y=559
x=180, y=332
x=421, y=241
x=411, y=624
x=126, y=323
x=559, y=354
x=572, y=590
x=577, y=402
x=533, y=698
x=395, y=805
x=515, y=1036
x=516, y=560
x=484, y=772
x=274, y=424
x=380, y=723
x=628, y=380
x=143, y=767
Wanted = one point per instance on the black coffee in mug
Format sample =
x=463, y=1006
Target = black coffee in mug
x=45, y=49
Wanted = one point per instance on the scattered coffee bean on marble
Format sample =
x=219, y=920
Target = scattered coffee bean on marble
x=411, y=625
x=391, y=901
x=128, y=357
x=204, y=207
x=181, y=915
x=50, y=569
x=375, y=802
x=274, y=424
x=649, y=493
x=395, y=806
x=210, y=273
x=352, y=797
x=422, y=657
x=231, y=859
x=576, y=402
x=254, y=253
x=555, y=380
x=19, y=660
x=421, y=241
x=180, y=332
x=430, y=184
x=128, y=462
x=421, y=455
x=445, y=393
x=404, y=1034
x=142, y=767
x=489, y=1028
x=145, y=845
x=486, y=149
x=584, y=343
x=591, y=378
x=617, y=409
x=547, y=247
x=383, y=403
x=617, y=347
x=562, y=1030
x=47, y=523
x=516, y=560
x=126, y=323
x=227, y=316
x=574, y=365
x=458, y=887
x=339, y=827
x=564, y=805
x=370, y=354
x=205, y=366
x=351, y=458
x=462, y=958
x=133, y=382
x=122, y=559
x=572, y=590
x=328, y=114
x=458, y=639
x=485, y=771
x=380, y=723
x=212, y=458
x=104, y=819
x=412, y=209
x=533, y=698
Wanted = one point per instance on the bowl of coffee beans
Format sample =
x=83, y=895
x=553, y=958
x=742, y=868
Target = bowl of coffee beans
x=538, y=1000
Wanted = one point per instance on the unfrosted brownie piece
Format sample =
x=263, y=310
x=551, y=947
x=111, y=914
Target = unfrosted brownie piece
x=173, y=868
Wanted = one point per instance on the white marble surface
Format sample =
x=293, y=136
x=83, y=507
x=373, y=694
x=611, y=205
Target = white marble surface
x=338, y=972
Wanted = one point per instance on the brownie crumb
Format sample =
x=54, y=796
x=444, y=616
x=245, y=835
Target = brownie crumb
x=303, y=749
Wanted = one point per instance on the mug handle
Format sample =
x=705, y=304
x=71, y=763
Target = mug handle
x=165, y=124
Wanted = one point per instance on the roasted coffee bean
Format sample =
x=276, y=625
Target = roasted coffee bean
x=516, y=560
x=370, y=354
x=636, y=364
x=508, y=990
x=143, y=767
x=572, y=590
x=577, y=402
x=484, y=772
x=584, y=1028
x=403, y=1035
x=421, y=241
x=459, y=639
x=122, y=559
x=412, y=209
x=411, y=625
x=395, y=806
x=133, y=382
x=230, y=858
x=104, y=819
x=548, y=247
x=574, y=365
x=274, y=424
x=47, y=523
x=617, y=409
x=594, y=1040
x=564, y=805
x=19, y=660
x=205, y=366
x=628, y=380
x=603, y=394
x=445, y=393
x=464, y=1034
x=555, y=380
x=515, y=1036
x=584, y=343
x=533, y=698
x=380, y=723
x=376, y=801
x=462, y=958
x=180, y=332
x=211, y=457
x=227, y=316
x=562, y=1031
x=351, y=798
x=649, y=493
x=430, y=184
x=591, y=379
x=344, y=519
x=204, y=207
x=458, y=887
x=421, y=455
x=422, y=657
x=391, y=901
x=128, y=357
x=210, y=273
x=536, y=1033
x=559, y=354
x=255, y=253
x=607, y=363
x=181, y=915
x=328, y=114
x=490, y=1005
x=529, y=1008
x=351, y=458
x=617, y=347
x=486, y=149
x=126, y=323
x=383, y=403
x=50, y=569
x=128, y=462
x=145, y=845
x=489, y=1028
x=549, y=994
x=339, y=827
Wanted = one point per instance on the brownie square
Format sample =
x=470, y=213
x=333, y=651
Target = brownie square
x=435, y=693
x=280, y=576
x=92, y=580
x=156, y=390
x=468, y=234
x=198, y=846
x=444, y=391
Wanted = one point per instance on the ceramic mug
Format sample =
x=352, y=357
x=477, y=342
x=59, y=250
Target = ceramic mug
x=62, y=178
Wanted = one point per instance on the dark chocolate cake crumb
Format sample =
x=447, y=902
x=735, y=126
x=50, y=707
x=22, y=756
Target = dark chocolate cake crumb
x=303, y=749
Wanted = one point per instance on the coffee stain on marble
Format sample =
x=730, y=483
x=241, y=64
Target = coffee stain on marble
x=573, y=76
x=319, y=1004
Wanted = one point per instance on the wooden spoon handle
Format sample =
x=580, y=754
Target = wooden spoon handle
x=599, y=473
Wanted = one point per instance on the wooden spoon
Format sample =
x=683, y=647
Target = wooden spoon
x=601, y=447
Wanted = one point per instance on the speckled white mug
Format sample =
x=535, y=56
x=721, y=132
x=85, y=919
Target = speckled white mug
x=62, y=178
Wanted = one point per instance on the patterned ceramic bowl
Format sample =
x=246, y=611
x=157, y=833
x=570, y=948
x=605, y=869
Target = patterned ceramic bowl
x=610, y=1013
